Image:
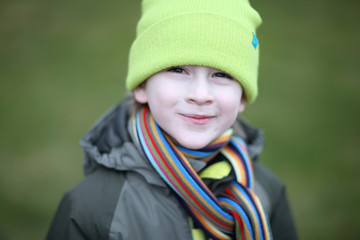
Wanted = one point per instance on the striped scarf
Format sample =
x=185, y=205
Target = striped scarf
x=236, y=213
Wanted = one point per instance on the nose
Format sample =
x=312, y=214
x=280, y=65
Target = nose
x=199, y=91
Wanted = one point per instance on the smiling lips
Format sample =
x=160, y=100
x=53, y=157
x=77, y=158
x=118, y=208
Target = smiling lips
x=198, y=119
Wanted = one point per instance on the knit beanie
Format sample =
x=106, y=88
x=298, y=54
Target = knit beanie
x=214, y=33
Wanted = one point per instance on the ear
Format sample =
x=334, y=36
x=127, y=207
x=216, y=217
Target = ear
x=242, y=104
x=140, y=94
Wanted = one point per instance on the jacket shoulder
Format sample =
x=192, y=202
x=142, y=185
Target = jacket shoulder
x=96, y=192
x=267, y=179
x=271, y=190
x=87, y=209
x=101, y=181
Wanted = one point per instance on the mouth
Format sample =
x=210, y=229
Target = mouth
x=198, y=119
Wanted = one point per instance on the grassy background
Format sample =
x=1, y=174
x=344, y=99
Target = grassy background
x=62, y=64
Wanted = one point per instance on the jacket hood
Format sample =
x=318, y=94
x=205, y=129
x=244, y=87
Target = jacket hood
x=109, y=143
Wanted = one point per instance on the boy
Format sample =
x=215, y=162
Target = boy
x=179, y=163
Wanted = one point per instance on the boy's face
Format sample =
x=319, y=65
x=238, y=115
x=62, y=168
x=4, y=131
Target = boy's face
x=193, y=104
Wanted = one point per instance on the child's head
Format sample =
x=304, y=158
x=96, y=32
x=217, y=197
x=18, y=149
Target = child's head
x=194, y=62
x=214, y=33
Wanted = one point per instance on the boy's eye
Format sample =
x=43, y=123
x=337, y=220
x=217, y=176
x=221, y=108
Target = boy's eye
x=223, y=75
x=176, y=70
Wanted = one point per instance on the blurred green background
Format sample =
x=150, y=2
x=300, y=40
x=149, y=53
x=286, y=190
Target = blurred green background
x=62, y=64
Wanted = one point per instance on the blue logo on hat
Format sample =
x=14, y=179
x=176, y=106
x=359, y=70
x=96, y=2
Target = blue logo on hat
x=255, y=41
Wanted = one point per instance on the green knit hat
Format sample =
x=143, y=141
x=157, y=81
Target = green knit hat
x=213, y=33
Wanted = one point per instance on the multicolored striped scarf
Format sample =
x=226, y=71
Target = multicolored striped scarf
x=236, y=213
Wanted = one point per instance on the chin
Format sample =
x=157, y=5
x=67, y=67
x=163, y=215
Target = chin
x=194, y=146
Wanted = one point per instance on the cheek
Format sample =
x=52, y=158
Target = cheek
x=230, y=100
x=159, y=98
x=163, y=94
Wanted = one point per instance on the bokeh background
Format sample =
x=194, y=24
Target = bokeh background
x=63, y=63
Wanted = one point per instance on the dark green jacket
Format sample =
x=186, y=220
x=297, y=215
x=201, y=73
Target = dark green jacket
x=122, y=197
